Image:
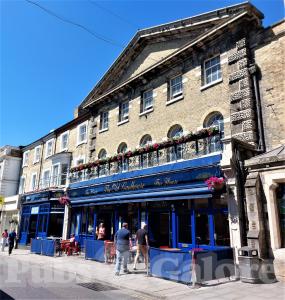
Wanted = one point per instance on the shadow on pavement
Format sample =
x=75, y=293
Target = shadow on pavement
x=4, y=296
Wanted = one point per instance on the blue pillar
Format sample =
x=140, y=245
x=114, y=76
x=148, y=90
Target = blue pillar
x=95, y=224
x=174, y=227
x=139, y=216
x=116, y=220
x=193, y=229
x=211, y=224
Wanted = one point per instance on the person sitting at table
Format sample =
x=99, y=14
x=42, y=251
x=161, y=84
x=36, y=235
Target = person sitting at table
x=72, y=238
x=101, y=232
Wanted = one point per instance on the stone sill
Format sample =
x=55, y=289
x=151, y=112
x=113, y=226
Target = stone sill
x=204, y=87
x=146, y=112
x=123, y=122
x=103, y=130
x=175, y=100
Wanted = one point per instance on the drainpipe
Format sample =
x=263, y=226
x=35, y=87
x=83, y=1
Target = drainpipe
x=41, y=164
x=261, y=145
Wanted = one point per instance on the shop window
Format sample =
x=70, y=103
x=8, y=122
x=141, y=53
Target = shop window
x=220, y=203
x=222, y=233
x=83, y=220
x=184, y=228
x=90, y=227
x=215, y=119
x=202, y=229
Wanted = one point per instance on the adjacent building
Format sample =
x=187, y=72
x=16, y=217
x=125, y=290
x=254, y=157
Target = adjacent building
x=44, y=177
x=10, y=164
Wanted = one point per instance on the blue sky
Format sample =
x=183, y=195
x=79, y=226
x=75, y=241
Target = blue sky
x=49, y=66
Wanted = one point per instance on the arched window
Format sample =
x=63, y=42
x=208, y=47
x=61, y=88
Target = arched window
x=175, y=152
x=102, y=168
x=212, y=120
x=145, y=140
x=102, y=154
x=123, y=149
x=175, y=131
x=146, y=158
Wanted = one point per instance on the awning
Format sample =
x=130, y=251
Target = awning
x=189, y=192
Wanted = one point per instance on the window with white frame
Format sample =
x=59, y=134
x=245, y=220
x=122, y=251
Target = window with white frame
x=82, y=133
x=22, y=185
x=147, y=100
x=104, y=120
x=79, y=161
x=25, y=158
x=55, y=175
x=124, y=111
x=64, y=141
x=176, y=87
x=34, y=181
x=37, y=154
x=46, y=179
x=49, y=148
x=212, y=70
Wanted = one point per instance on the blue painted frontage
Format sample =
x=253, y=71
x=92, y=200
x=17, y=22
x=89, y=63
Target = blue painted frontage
x=41, y=216
x=173, y=199
x=94, y=249
x=43, y=247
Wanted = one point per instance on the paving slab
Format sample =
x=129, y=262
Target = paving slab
x=79, y=269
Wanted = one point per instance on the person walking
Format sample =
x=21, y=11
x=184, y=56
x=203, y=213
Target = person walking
x=11, y=238
x=122, y=244
x=4, y=239
x=142, y=246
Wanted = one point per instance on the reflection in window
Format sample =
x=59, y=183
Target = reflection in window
x=84, y=220
x=175, y=152
x=146, y=158
x=90, y=228
x=215, y=120
x=124, y=163
x=184, y=228
x=103, y=168
x=222, y=233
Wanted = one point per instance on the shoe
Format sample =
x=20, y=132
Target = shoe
x=134, y=268
x=117, y=274
x=127, y=271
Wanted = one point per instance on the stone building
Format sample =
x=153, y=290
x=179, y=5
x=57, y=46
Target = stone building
x=172, y=80
x=44, y=177
x=265, y=184
x=10, y=164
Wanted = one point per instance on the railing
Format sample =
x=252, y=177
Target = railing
x=179, y=152
x=51, y=182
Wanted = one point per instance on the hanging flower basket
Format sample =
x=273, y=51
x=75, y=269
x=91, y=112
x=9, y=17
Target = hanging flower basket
x=215, y=183
x=64, y=200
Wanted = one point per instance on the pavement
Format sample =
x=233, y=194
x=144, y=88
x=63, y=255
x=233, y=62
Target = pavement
x=67, y=270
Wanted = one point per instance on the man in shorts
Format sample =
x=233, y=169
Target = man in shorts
x=142, y=246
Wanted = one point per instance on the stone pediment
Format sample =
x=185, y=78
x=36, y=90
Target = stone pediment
x=150, y=46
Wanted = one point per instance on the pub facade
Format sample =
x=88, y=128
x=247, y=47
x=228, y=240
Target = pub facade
x=171, y=122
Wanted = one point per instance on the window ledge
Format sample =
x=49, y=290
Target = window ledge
x=204, y=87
x=175, y=100
x=103, y=130
x=80, y=143
x=123, y=122
x=36, y=162
x=146, y=112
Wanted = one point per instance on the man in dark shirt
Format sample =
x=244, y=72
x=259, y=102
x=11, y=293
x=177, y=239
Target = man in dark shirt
x=122, y=242
x=12, y=237
x=142, y=245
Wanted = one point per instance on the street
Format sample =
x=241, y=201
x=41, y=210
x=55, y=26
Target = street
x=26, y=280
